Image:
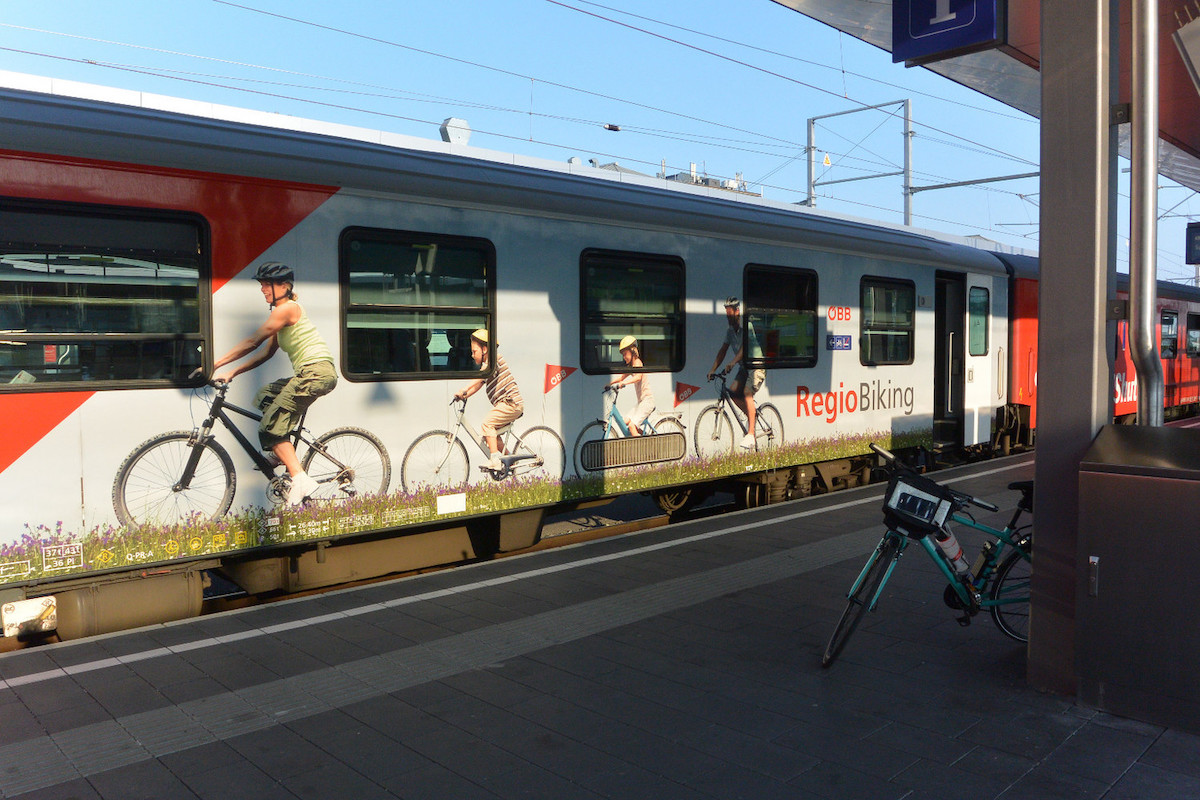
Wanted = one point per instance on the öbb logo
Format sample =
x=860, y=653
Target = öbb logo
x=683, y=391
x=556, y=375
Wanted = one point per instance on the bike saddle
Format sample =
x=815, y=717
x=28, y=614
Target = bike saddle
x=1026, y=490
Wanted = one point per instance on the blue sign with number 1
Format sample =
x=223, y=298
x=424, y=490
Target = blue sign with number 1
x=928, y=30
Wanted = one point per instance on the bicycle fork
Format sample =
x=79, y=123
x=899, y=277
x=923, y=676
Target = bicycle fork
x=196, y=443
x=862, y=576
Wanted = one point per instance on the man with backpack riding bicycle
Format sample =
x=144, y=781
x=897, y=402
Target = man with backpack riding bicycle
x=283, y=402
x=745, y=383
x=503, y=393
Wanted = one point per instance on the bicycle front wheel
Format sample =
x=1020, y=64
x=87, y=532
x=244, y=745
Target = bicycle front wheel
x=714, y=433
x=548, y=448
x=860, y=598
x=768, y=428
x=348, y=462
x=592, y=432
x=669, y=425
x=147, y=488
x=436, y=460
x=1010, y=594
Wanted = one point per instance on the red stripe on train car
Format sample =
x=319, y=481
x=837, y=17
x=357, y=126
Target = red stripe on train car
x=245, y=217
x=275, y=207
x=26, y=418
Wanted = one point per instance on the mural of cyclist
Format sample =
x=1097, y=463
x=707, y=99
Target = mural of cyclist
x=502, y=391
x=744, y=384
x=284, y=401
x=645, y=405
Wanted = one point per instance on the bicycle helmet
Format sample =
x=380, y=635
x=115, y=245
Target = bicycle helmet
x=274, y=272
x=627, y=342
x=481, y=336
x=732, y=301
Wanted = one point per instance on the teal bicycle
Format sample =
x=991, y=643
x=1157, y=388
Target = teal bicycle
x=917, y=509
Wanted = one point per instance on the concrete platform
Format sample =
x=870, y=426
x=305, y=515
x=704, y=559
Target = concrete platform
x=679, y=663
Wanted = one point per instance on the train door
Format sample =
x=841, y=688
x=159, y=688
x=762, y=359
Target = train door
x=949, y=330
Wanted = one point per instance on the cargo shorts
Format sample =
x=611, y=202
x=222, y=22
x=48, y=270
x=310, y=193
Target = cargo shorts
x=283, y=402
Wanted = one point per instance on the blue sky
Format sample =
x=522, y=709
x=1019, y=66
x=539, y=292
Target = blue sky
x=728, y=86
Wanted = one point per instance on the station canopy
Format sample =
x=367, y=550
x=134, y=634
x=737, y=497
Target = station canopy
x=1009, y=74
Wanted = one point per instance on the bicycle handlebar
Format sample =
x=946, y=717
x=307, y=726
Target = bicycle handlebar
x=963, y=498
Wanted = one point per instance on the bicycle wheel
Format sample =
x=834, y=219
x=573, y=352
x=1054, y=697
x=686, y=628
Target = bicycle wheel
x=592, y=432
x=348, y=462
x=768, y=430
x=549, y=449
x=714, y=433
x=435, y=460
x=1010, y=592
x=859, y=601
x=668, y=425
x=145, y=492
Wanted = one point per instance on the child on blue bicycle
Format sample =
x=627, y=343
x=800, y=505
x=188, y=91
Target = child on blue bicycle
x=645, y=405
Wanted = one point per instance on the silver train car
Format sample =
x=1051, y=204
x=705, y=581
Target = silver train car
x=131, y=227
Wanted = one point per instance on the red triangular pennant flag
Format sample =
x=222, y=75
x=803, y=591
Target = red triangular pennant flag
x=683, y=391
x=556, y=375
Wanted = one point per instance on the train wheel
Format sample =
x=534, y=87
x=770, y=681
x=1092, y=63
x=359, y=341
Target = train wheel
x=348, y=462
x=592, y=432
x=435, y=460
x=549, y=449
x=768, y=431
x=672, y=501
x=714, y=433
x=145, y=492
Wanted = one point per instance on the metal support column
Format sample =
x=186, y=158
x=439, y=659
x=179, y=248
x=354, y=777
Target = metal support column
x=1143, y=214
x=908, y=187
x=1078, y=225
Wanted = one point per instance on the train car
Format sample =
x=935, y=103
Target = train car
x=131, y=227
x=1178, y=339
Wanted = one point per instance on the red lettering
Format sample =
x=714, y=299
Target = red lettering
x=802, y=401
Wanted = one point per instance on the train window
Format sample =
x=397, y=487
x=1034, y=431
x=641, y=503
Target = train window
x=888, y=321
x=95, y=298
x=780, y=317
x=631, y=294
x=1193, y=335
x=1169, y=339
x=410, y=302
x=978, y=305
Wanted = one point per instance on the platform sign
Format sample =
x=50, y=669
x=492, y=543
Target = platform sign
x=930, y=30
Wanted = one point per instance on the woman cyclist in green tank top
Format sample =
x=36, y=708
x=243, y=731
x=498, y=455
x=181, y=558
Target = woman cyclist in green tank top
x=284, y=401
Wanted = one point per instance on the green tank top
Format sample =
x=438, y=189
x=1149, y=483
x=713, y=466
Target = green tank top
x=302, y=343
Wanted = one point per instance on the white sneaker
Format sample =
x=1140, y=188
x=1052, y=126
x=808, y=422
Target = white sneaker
x=748, y=442
x=303, y=486
x=495, y=463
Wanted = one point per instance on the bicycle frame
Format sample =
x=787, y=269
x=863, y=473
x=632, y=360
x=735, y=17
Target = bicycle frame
x=509, y=440
x=725, y=403
x=614, y=419
x=970, y=598
x=217, y=411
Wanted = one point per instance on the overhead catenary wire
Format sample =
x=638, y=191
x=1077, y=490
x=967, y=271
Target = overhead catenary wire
x=757, y=141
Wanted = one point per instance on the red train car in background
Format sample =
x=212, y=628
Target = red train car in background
x=1178, y=310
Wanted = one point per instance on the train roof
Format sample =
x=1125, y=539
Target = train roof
x=1024, y=266
x=66, y=118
